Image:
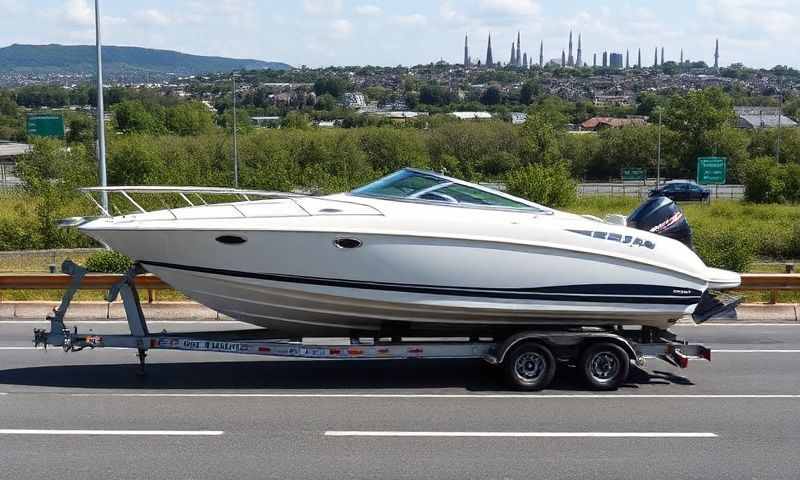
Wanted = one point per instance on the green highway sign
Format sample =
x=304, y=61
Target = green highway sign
x=712, y=170
x=633, y=173
x=45, y=125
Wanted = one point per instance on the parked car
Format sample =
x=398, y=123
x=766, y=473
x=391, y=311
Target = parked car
x=685, y=190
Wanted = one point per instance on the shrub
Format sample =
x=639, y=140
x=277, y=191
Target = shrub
x=729, y=248
x=550, y=185
x=108, y=261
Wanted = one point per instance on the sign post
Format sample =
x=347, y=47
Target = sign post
x=45, y=125
x=631, y=174
x=712, y=170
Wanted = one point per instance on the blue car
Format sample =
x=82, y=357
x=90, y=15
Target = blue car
x=682, y=190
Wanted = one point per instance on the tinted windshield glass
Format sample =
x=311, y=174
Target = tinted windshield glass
x=408, y=184
x=399, y=184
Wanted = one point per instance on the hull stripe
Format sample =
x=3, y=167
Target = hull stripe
x=599, y=293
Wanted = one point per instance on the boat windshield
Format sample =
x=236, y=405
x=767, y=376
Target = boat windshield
x=414, y=185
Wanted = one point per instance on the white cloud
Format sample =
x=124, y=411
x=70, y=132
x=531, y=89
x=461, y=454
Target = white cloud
x=322, y=7
x=341, y=28
x=368, y=10
x=511, y=8
x=415, y=19
x=153, y=17
x=78, y=12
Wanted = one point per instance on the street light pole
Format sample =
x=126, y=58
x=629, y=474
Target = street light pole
x=658, y=161
x=101, y=127
x=235, y=145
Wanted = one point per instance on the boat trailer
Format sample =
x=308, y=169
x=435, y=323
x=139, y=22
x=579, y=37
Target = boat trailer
x=520, y=352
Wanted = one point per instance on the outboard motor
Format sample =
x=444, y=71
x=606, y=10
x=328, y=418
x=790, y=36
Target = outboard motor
x=662, y=216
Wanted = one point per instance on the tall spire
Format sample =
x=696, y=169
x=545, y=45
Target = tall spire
x=519, y=52
x=627, y=58
x=655, y=58
x=525, y=60
x=681, y=56
x=541, y=54
x=594, y=59
x=563, y=59
x=579, y=59
x=466, y=50
x=716, y=56
x=489, y=59
x=570, y=58
x=662, y=55
x=639, y=62
x=513, y=61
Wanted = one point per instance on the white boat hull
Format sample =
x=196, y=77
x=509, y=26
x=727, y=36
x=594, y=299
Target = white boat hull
x=299, y=282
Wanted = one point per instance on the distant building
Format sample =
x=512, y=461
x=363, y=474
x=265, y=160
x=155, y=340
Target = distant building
x=354, y=100
x=472, y=115
x=605, y=59
x=762, y=117
x=518, y=118
x=616, y=60
x=489, y=60
x=265, y=121
x=600, y=123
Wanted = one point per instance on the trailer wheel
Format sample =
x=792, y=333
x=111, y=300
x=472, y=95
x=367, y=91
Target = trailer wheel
x=530, y=366
x=605, y=365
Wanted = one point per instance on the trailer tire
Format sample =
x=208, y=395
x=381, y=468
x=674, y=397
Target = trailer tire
x=530, y=366
x=605, y=365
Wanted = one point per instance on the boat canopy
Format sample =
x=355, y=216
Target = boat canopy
x=410, y=184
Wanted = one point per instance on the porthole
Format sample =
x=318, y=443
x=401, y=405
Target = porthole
x=347, y=243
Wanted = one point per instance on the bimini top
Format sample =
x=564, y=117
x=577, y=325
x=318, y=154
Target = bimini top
x=422, y=186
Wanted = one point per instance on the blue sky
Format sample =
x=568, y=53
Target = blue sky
x=381, y=32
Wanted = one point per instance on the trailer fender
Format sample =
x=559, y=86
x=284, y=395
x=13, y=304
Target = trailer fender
x=560, y=340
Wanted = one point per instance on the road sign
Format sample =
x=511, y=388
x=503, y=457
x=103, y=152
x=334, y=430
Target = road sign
x=633, y=173
x=712, y=170
x=45, y=125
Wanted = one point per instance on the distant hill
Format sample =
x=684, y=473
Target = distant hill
x=55, y=58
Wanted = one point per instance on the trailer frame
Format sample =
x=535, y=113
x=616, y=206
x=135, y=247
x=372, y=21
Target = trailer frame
x=566, y=344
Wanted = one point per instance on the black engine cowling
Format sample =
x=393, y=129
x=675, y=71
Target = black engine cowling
x=662, y=216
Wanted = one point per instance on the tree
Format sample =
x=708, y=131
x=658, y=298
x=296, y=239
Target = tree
x=190, y=118
x=491, y=96
x=539, y=141
x=132, y=116
x=433, y=94
x=553, y=110
x=528, y=91
x=333, y=85
x=550, y=185
x=326, y=102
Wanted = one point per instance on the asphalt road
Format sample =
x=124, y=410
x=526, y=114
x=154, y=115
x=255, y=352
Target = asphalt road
x=207, y=415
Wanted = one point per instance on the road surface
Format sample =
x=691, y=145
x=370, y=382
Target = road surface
x=207, y=415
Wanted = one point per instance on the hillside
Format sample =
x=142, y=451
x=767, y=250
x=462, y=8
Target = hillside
x=81, y=59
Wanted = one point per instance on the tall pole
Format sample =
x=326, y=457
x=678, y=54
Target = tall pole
x=235, y=145
x=780, y=114
x=658, y=161
x=101, y=127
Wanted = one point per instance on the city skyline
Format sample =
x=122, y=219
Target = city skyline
x=361, y=32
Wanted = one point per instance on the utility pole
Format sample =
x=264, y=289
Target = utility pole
x=235, y=145
x=101, y=127
x=780, y=114
x=658, y=158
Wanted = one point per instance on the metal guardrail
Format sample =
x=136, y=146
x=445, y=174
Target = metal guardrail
x=769, y=282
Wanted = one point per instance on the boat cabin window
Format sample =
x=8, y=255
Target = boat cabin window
x=413, y=185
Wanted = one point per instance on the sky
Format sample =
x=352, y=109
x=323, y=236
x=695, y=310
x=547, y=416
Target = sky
x=758, y=33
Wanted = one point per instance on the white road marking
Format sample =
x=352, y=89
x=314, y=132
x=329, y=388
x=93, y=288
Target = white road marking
x=753, y=351
x=361, y=433
x=24, y=431
x=124, y=322
x=509, y=396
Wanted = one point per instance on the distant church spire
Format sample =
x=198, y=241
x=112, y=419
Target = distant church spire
x=489, y=59
x=716, y=55
x=525, y=60
x=563, y=59
x=662, y=55
x=541, y=54
x=466, y=50
x=655, y=58
x=570, y=59
x=681, y=56
x=639, y=61
x=579, y=59
x=627, y=58
x=519, y=52
x=513, y=61
x=594, y=59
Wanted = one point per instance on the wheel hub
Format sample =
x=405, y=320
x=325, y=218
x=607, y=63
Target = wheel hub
x=529, y=366
x=604, y=365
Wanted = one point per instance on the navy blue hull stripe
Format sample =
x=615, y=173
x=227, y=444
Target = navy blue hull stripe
x=600, y=293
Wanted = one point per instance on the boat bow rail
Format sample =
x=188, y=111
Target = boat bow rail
x=196, y=197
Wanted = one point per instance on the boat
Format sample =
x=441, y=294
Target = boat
x=416, y=252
